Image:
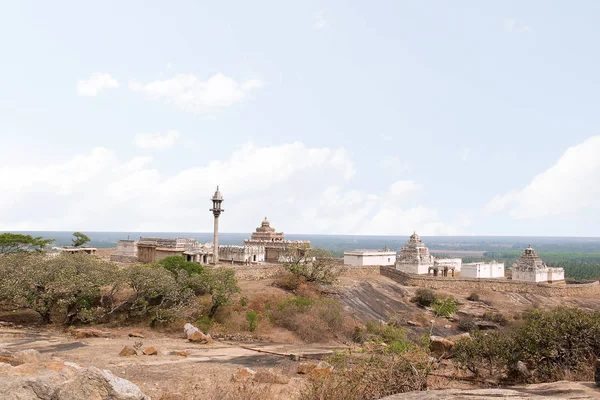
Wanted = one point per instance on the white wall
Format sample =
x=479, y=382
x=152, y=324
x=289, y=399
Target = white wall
x=556, y=274
x=482, y=270
x=359, y=260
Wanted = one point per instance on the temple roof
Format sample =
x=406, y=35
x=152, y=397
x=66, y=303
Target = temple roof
x=529, y=261
x=217, y=195
x=415, y=251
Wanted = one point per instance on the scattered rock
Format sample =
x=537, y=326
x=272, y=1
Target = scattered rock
x=89, y=333
x=322, y=369
x=27, y=356
x=181, y=353
x=194, y=334
x=136, y=333
x=59, y=381
x=441, y=347
x=486, y=325
x=243, y=374
x=271, y=376
x=306, y=368
x=128, y=351
x=456, y=338
x=447, y=326
x=10, y=361
x=150, y=351
x=413, y=323
x=522, y=370
x=166, y=352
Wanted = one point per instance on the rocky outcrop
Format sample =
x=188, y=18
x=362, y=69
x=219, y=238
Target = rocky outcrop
x=243, y=374
x=440, y=347
x=64, y=381
x=545, y=391
x=128, y=351
x=194, y=334
x=89, y=333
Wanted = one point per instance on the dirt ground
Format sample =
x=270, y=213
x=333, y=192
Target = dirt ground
x=207, y=370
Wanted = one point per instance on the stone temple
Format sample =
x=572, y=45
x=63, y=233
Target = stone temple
x=531, y=268
x=274, y=243
x=414, y=258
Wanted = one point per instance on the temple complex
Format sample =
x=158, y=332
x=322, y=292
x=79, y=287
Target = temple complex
x=531, y=268
x=274, y=243
x=414, y=257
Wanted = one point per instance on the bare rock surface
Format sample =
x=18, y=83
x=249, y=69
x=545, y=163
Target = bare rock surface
x=64, y=381
x=563, y=390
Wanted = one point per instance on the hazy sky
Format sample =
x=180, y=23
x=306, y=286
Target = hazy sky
x=361, y=117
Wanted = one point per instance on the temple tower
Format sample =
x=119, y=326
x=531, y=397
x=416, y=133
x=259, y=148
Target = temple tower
x=217, y=199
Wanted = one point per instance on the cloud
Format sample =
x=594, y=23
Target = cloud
x=156, y=140
x=319, y=21
x=394, y=163
x=98, y=82
x=567, y=188
x=466, y=153
x=512, y=25
x=188, y=93
x=301, y=189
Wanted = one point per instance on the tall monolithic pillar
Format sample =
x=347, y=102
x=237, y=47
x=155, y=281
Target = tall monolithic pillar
x=217, y=199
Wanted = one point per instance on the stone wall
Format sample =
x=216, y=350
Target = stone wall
x=359, y=272
x=496, y=285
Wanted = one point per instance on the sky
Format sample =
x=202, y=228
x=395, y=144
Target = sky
x=328, y=117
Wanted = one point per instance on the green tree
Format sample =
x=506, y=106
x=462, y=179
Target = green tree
x=15, y=242
x=79, y=239
x=179, y=263
x=313, y=264
x=221, y=284
x=68, y=287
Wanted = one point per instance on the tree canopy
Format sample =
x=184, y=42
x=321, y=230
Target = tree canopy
x=79, y=239
x=15, y=242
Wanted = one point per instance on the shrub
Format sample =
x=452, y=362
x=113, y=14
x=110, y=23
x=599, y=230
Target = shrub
x=252, y=318
x=312, y=264
x=312, y=320
x=221, y=284
x=498, y=318
x=424, y=297
x=473, y=297
x=178, y=263
x=374, y=377
x=554, y=345
x=444, y=306
x=76, y=288
x=289, y=281
x=467, y=324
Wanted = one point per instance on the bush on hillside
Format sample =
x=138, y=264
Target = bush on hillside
x=179, y=263
x=312, y=264
x=81, y=288
x=373, y=377
x=473, y=297
x=424, y=297
x=557, y=344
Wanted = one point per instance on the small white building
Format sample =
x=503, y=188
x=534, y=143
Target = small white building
x=360, y=258
x=483, y=270
x=414, y=258
x=531, y=268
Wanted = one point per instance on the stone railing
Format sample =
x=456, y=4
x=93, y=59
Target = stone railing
x=496, y=285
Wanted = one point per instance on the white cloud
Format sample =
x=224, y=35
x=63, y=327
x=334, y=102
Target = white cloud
x=566, y=188
x=394, y=163
x=319, y=21
x=466, y=153
x=301, y=189
x=95, y=84
x=512, y=25
x=189, y=93
x=156, y=140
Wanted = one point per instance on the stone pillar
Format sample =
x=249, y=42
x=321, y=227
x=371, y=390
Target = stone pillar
x=216, y=241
